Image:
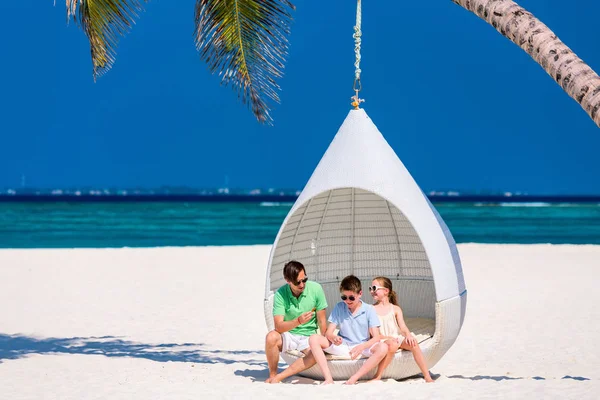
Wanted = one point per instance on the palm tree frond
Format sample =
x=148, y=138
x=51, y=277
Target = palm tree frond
x=246, y=42
x=104, y=22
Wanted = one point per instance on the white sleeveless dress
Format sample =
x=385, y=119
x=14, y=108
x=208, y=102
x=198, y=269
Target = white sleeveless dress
x=389, y=326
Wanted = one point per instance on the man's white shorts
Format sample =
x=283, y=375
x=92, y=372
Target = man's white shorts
x=292, y=341
x=343, y=350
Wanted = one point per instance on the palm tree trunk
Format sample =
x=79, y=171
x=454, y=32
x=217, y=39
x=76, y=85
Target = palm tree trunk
x=536, y=39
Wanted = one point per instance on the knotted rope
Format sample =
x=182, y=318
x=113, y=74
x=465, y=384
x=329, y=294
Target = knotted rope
x=357, y=42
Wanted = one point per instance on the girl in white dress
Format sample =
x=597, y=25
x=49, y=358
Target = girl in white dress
x=394, y=331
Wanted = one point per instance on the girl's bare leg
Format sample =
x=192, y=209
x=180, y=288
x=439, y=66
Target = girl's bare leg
x=393, y=346
x=418, y=356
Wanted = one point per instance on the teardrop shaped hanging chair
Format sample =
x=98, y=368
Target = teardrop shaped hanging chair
x=362, y=213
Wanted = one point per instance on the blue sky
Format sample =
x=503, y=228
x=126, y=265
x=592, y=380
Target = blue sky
x=463, y=107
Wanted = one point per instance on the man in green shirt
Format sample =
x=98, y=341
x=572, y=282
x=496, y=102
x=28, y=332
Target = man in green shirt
x=294, y=307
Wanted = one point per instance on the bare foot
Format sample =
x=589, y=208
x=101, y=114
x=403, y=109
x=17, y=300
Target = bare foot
x=429, y=380
x=330, y=382
x=376, y=379
x=350, y=381
x=273, y=379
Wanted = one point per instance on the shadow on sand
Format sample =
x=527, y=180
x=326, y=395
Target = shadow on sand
x=260, y=376
x=16, y=346
x=511, y=378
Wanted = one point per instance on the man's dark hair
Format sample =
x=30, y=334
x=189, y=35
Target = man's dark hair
x=292, y=269
x=351, y=283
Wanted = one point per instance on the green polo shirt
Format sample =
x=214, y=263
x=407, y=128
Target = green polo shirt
x=291, y=307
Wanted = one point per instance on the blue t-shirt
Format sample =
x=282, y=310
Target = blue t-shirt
x=354, y=329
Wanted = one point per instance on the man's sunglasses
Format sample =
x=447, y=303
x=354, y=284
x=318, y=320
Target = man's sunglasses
x=351, y=298
x=301, y=281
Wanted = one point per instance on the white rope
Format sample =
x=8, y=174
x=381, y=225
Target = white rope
x=357, y=40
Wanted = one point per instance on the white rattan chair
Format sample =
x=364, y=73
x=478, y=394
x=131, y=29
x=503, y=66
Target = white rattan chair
x=362, y=213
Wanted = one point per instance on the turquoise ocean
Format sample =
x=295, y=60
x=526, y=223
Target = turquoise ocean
x=152, y=224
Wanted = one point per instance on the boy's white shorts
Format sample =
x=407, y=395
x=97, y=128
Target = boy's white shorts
x=343, y=350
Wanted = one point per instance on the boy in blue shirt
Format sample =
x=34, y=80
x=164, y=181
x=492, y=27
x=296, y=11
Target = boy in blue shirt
x=358, y=326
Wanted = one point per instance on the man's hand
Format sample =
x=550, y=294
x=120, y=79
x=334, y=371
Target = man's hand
x=304, y=318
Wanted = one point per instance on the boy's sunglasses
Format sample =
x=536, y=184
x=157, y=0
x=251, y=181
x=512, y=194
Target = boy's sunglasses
x=351, y=298
x=301, y=281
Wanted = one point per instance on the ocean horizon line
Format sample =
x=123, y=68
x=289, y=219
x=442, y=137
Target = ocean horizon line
x=280, y=197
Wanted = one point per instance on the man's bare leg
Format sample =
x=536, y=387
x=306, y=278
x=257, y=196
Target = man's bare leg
x=379, y=352
x=273, y=343
x=297, y=366
x=418, y=356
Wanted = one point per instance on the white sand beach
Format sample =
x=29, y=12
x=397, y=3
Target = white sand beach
x=187, y=323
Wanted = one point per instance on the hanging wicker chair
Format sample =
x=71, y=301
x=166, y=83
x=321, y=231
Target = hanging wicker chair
x=362, y=213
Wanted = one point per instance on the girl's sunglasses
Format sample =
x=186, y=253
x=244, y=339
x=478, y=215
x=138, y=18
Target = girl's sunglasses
x=302, y=281
x=374, y=288
x=351, y=298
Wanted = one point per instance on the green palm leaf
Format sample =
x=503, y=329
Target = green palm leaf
x=245, y=41
x=103, y=22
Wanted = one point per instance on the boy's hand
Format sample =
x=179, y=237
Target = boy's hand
x=355, y=352
x=335, y=339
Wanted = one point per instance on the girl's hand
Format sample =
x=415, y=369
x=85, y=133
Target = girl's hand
x=411, y=340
